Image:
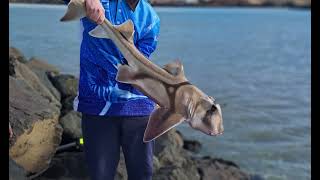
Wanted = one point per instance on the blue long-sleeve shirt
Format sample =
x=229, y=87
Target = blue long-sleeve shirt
x=99, y=93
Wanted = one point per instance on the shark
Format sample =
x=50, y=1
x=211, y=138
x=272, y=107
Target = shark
x=177, y=99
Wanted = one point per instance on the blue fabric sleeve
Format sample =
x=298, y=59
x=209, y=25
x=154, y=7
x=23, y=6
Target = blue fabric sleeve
x=148, y=43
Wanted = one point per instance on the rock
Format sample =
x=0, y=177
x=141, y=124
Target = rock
x=71, y=165
x=210, y=168
x=34, y=121
x=71, y=124
x=43, y=77
x=21, y=71
x=192, y=145
x=33, y=115
x=156, y=164
x=15, y=54
x=67, y=85
x=184, y=171
x=12, y=65
x=44, y=72
x=36, y=63
x=169, y=139
x=121, y=173
x=175, y=163
x=67, y=105
x=68, y=165
x=169, y=173
x=168, y=149
x=16, y=172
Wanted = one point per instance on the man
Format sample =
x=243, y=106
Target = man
x=114, y=114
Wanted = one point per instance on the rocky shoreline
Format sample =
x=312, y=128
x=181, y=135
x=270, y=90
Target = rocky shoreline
x=42, y=119
x=205, y=3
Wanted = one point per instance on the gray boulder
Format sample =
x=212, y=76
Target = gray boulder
x=67, y=105
x=192, y=145
x=67, y=85
x=175, y=162
x=168, y=148
x=71, y=124
x=44, y=71
x=36, y=63
x=21, y=71
x=33, y=115
x=16, y=54
x=213, y=168
x=66, y=166
x=35, y=125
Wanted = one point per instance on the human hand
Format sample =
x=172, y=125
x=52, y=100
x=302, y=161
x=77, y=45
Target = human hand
x=95, y=11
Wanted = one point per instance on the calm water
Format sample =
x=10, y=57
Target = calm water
x=255, y=62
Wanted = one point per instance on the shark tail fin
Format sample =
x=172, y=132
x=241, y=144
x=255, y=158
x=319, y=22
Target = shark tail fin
x=175, y=68
x=161, y=120
x=76, y=10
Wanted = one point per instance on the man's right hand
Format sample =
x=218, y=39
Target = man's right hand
x=95, y=11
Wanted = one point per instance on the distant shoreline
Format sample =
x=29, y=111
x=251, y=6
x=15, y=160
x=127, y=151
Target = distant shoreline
x=200, y=5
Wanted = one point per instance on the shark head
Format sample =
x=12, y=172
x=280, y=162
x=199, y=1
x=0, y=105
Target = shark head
x=207, y=117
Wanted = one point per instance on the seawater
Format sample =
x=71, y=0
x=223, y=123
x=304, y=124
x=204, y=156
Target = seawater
x=254, y=61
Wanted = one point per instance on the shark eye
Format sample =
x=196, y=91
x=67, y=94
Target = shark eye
x=213, y=108
x=209, y=112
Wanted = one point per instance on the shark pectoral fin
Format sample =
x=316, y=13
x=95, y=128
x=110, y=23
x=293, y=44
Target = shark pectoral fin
x=98, y=32
x=76, y=10
x=126, y=29
x=161, y=121
x=125, y=74
x=175, y=68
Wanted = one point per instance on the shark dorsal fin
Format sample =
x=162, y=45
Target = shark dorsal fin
x=98, y=32
x=126, y=29
x=175, y=68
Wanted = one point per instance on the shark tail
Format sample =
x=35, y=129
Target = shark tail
x=76, y=10
x=161, y=120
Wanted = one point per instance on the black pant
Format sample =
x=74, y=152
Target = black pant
x=103, y=137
